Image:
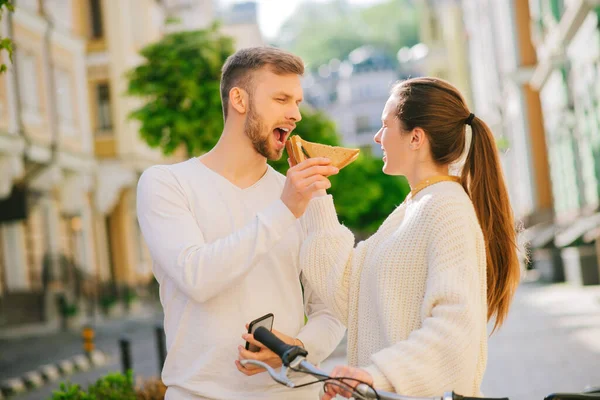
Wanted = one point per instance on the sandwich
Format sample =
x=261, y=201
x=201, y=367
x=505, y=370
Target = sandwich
x=299, y=150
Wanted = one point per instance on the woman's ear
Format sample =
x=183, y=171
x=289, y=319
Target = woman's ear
x=238, y=98
x=417, y=138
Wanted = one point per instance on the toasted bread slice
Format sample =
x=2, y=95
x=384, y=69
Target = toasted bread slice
x=289, y=147
x=293, y=146
x=340, y=156
x=299, y=152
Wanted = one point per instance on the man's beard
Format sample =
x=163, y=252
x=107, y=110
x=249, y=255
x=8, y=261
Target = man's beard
x=255, y=129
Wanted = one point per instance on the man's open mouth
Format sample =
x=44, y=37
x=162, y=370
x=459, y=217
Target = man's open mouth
x=281, y=134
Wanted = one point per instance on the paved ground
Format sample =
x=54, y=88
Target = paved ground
x=20, y=355
x=550, y=343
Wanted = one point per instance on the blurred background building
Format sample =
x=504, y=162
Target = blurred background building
x=352, y=92
x=70, y=157
x=530, y=69
x=443, y=33
x=71, y=252
x=535, y=69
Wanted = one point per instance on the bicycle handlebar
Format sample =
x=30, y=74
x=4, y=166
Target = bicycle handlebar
x=295, y=356
x=286, y=352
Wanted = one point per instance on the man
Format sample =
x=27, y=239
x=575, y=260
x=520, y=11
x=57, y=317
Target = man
x=225, y=244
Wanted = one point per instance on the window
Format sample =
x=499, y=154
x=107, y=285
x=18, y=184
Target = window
x=27, y=73
x=362, y=124
x=139, y=29
x=2, y=267
x=35, y=244
x=61, y=12
x=96, y=19
x=144, y=261
x=30, y=5
x=64, y=100
x=178, y=4
x=557, y=8
x=434, y=26
x=104, y=114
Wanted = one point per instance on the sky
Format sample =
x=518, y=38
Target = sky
x=273, y=13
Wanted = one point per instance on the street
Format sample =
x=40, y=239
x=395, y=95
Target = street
x=549, y=343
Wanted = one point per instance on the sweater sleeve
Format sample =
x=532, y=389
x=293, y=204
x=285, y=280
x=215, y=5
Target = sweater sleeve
x=201, y=270
x=443, y=353
x=328, y=258
x=323, y=331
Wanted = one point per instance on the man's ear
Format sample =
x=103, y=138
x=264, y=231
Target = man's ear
x=417, y=138
x=238, y=98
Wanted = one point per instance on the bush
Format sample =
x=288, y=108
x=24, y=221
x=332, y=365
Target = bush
x=107, y=302
x=66, y=309
x=114, y=386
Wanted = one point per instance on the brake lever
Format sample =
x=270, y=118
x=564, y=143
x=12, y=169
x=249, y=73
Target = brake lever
x=280, y=378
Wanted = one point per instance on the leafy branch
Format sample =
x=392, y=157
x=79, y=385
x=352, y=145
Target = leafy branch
x=6, y=43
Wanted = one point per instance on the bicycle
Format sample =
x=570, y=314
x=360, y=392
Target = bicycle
x=294, y=359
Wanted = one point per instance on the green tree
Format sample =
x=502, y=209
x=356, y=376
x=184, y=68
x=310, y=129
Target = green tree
x=179, y=82
x=6, y=43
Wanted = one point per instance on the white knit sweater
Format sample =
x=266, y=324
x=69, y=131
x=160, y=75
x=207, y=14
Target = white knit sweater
x=413, y=295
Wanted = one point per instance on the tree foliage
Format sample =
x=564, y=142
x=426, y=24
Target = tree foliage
x=6, y=43
x=179, y=83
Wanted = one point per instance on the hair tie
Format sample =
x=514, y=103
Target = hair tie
x=469, y=120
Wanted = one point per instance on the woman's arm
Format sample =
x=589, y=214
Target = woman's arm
x=328, y=258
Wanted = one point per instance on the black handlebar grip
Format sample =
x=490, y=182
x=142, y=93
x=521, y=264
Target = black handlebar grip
x=286, y=352
x=272, y=342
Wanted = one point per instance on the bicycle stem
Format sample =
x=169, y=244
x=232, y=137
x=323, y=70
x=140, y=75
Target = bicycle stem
x=280, y=378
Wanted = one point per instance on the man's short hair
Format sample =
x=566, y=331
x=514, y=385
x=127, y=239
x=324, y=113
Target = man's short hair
x=238, y=68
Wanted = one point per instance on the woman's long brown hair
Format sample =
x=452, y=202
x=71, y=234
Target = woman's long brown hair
x=439, y=109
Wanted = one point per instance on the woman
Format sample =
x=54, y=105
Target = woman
x=417, y=295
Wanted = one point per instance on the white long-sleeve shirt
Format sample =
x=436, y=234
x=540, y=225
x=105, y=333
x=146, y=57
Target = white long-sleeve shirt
x=224, y=256
x=413, y=295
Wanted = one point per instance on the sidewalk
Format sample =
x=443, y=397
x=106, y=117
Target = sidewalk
x=550, y=343
x=25, y=356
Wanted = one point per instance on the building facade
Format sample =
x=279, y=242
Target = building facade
x=70, y=157
x=535, y=73
x=567, y=40
x=48, y=153
x=502, y=59
x=444, y=36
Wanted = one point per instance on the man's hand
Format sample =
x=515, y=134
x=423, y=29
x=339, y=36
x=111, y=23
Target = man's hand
x=358, y=376
x=264, y=354
x=304, y=180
